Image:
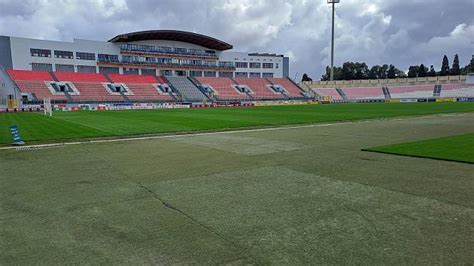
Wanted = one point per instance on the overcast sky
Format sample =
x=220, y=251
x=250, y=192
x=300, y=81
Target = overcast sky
x=402, y=32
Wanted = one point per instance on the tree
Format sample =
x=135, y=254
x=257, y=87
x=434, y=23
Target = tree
x=391, y=72
x=455, y=69
x=413, y=71
x=445, y=67
x=469, y=68
x=306, y=77
x=422, y=71
x=432, y=72
x=374, y=72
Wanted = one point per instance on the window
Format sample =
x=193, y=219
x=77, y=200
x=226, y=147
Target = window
x=148, y=72
x=64, y=54
x=255, y=65
x=166, y=72
x=164, y=49
x=86, y=69
x=210, y=74
x=241, y=74
x=40, y=53
x=64, y=68
x=241, y=65
x=180, y=50
x=85, y=56
x=130, y=71
x=267, y=65
x=225, y=74
x=108, y=58
x=267, y=75
x=195, y=73
x=41, y=67
x=255, y=75
x=109, y=70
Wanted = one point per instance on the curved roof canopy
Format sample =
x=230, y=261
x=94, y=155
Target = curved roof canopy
x=173, y=35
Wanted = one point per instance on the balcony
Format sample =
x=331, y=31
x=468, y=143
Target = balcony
x=150, y=50
x=170, y=64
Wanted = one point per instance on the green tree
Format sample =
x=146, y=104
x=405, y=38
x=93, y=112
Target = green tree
x=306, y=77
x=391, y=72
x=422, y=71
x=455, y=69
x=413, y=71
x=348, y=71
x=432, y=72
x=374, y=72
x=469, y=68
x=445, y=67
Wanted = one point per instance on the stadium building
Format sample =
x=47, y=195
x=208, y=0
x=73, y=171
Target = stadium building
x=157, y=52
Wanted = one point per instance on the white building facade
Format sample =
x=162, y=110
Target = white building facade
x=160, y=53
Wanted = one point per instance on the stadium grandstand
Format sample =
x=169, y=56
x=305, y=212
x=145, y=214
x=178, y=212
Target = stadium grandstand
x=176, y=67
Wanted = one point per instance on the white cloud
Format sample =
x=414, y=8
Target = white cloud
x=375, y=31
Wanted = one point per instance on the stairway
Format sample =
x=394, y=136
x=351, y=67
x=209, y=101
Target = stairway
x=386, y=93
x=437, y=90
x=125, y=97
x=187, y=89
x=246, y=93
x=201, y=89
x=343, y=95
x=68, y=96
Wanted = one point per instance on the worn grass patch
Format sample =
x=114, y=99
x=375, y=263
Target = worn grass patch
x=456, y=148
x=82, y=125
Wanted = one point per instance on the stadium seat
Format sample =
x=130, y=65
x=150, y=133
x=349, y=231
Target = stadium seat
x=415, y=91
x=260, y=87
x=186, y=88
x=329, y=92
x=457, y=90
x=293, y=90
x=36, y=83
x=92, y=87
x=223, y=87
x=143, y=87
x=364, y=93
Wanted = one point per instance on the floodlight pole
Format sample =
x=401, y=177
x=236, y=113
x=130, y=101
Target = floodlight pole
x=333, y=2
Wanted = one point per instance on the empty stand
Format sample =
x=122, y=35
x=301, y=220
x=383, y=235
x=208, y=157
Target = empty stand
x=260, y=88
x=143, y=87
x=35, y=83
x=92, y=87
x=293, y=90
x=187, y=89
x=457, y=90
x=329, y=92
x=364, y=93
x=416, y=91
x=223, y=87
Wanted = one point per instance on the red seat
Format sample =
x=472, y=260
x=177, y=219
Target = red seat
x=223, y=87
x=35, y=82
x=290, y=87
x=260, y=87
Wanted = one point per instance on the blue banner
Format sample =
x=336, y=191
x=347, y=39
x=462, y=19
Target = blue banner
x=16, y=135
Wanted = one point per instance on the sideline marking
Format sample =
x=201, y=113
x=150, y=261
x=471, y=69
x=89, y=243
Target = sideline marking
x=29, y=147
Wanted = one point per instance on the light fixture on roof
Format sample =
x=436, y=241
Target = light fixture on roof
x=333, y=2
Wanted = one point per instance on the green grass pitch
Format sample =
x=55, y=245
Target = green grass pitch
x=291, y=196
x=37, y=128
x=456, y=148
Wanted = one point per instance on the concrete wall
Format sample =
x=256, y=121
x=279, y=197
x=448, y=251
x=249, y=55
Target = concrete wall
x=5, y=52
x=7, y=87
x=22, y=59
x=278, y=64
x=15, y=53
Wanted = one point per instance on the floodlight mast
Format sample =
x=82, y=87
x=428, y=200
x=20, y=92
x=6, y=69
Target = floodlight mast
x=333, y=2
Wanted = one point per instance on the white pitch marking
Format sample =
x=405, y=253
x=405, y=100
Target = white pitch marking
x=219, y=132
